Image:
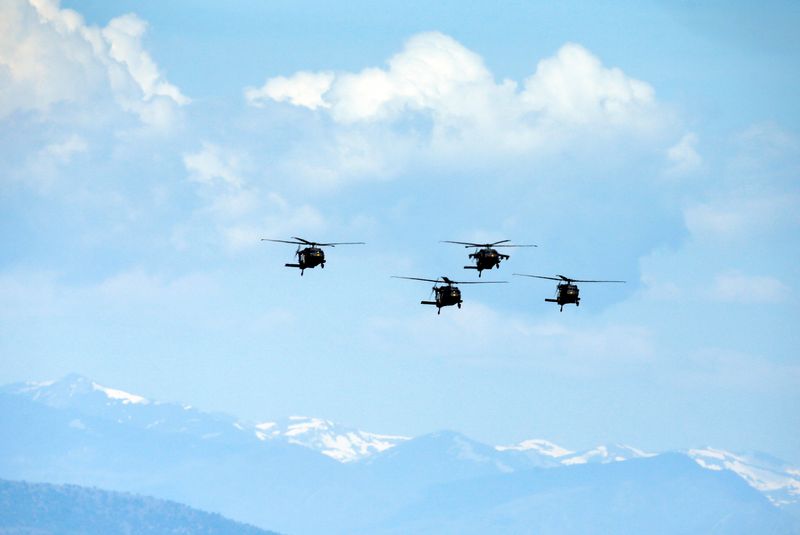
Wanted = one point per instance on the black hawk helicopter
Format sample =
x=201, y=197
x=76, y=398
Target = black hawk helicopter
x=566, y=292
x=312, y=255
x=486, y=256
x=447, y=295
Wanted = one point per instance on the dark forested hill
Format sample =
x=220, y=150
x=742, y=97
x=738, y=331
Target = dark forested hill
x=42, y=509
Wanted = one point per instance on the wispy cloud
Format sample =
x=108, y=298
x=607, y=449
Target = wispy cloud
x=683, y=156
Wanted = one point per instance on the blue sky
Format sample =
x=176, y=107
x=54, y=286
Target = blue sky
x=147, y=147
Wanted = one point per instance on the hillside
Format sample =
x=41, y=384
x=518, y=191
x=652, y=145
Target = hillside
x=43, y=509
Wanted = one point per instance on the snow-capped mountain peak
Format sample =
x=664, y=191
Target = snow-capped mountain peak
x=338, y=442
x=778, y=481
x=120, y=395
x=538, y=445
x=606, y=454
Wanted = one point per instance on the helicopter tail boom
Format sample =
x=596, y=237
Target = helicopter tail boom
x=427, y=302
x=292, y=265
x=470, y=267
x=551, y=300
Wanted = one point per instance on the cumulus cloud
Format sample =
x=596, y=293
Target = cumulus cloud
x=575, y=87
x=49, y=55
x=436, y=75
x=436, y=100
x=303, y=89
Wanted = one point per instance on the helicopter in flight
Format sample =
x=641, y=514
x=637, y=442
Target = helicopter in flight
x=312, y=254
x=447, y=295
x=485, y=255
x=567, y=291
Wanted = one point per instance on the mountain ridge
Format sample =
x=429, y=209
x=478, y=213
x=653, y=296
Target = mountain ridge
x=87, y=433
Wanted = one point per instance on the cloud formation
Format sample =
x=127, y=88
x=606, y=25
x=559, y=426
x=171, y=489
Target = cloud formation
x=437, y=76
x=436, y=101
x=49, y=55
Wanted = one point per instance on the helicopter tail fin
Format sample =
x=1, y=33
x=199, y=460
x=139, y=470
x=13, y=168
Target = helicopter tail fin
x=427, y=302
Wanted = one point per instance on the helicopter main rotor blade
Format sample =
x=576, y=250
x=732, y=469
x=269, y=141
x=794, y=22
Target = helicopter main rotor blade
x=334, y=244
x=479, y=282
x=580, y=280
x=311, y=243
x=567, y=279
x=512, y=245
x=539, y=277
x=284, y=241
x=468, y=244
x=464, y=243
x=417, y=279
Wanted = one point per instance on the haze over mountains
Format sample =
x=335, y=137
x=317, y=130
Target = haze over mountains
x=306, y=475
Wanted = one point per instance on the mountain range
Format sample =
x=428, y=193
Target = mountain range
x=308, y=475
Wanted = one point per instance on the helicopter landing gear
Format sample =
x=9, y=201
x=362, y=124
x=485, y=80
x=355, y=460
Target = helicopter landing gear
x=301, y=272
x=438, y=311
x=459, y=305
x=322, y=265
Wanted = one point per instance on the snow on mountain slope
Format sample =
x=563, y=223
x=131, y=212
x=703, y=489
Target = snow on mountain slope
x=774, y=478
x=338, y=442
x=606, y=454
x=540, y=446
x=70, y=390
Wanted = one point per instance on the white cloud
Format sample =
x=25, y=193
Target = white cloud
x=436, y=102
x=739, y=288
x=303, y=89
x=50, y=55
x=683, y=155
x=575, y=87
x=436, y=74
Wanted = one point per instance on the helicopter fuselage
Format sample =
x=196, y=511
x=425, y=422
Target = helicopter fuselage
x=309, y=257
x=446, y=296
x=486, y=258
x=566, y=294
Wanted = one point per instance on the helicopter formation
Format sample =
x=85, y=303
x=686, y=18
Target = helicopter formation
x=310, y=255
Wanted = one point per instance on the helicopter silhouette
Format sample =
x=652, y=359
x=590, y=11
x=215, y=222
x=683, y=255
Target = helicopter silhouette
x=486, y=256
x=447, y=295
x=312, y=255
x=567, y=291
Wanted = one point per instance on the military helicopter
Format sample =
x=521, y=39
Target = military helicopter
x=486, y=256
x=447, y=295
x=312, y=255
x=567, y=291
